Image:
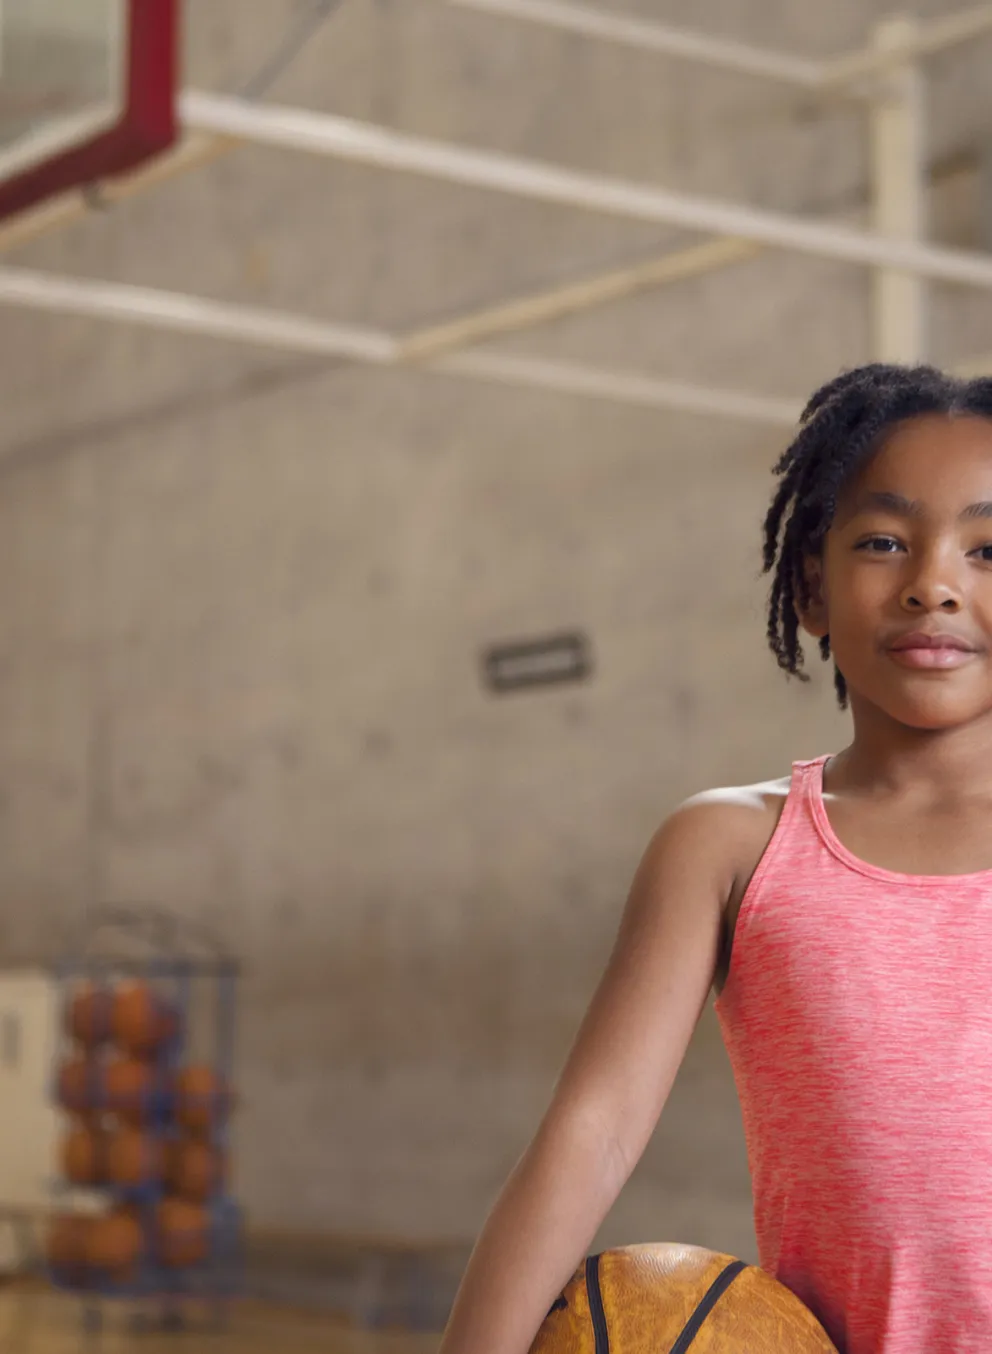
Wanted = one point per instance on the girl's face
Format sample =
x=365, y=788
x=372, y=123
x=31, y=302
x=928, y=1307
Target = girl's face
x=904, y=584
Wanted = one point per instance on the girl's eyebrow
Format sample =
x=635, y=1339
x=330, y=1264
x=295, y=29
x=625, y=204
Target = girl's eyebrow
x=904, y=507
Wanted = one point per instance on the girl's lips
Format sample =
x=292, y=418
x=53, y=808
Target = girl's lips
x=932, y=657
x=923, y=639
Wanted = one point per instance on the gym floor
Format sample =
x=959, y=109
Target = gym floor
x=35, y=1321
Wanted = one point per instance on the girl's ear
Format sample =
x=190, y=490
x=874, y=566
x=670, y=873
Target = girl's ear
x=813, y=616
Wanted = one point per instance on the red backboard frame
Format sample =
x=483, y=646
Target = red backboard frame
x=146, y=127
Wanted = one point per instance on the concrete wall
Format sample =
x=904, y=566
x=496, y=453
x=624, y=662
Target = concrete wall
x=242, y=594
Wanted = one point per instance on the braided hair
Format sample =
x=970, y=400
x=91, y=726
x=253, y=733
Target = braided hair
x=843, y=423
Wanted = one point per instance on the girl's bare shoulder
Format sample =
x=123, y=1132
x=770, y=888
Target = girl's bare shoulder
x=739, y=822
x=741, y=816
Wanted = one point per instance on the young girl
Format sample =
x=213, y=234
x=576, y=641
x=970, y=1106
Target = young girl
x=843, y=915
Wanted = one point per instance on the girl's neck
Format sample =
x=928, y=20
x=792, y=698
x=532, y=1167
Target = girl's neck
x=887, y=755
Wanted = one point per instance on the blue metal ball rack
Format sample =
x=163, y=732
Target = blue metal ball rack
x=179, y=961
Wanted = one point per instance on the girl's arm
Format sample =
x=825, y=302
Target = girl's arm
x=614, y=1085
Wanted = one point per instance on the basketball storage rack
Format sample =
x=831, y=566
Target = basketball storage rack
x=188, y=968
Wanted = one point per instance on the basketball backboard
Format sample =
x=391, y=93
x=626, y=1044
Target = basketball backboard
x=87, y=91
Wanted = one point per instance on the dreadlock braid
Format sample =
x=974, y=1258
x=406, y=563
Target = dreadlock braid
x=842, y=424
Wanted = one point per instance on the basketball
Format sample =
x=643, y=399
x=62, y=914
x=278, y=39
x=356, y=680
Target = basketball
x=182, y=1233
x=114, y=1243
x=203, y=1101
x=83, y=1154
x=131, y=1089
x=133, y=1158
x=142, y=1020
x=194, y=1170
x=87, y=1018
x=78, y=1089
x=645, y=1299
x=66, y=1244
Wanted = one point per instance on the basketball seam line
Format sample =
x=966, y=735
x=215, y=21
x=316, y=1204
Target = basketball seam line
x=596, y=1311
x=716, y=1289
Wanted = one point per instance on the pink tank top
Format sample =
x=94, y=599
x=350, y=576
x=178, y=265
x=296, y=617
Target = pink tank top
x=857, y=1015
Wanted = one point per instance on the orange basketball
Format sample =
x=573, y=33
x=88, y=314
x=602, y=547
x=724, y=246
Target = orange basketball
x=87, y=1015
x=84, y=1154
x=142, y=1019
x=194, y=1170
x=79, y=1084
x=181, y=1233
x=203, y=1101
x=66, y=1244
x=115, y=1243
x=131, y=1088
x=642, y=1299
x=133, y=1157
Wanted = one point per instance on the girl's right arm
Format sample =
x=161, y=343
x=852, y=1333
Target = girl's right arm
x=614, y=1085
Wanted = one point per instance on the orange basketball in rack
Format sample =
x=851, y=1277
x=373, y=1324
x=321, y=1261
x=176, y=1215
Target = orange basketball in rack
x=134, y=1158
x=66, y=1244
x=194, y=1169
x=79, y=1084
x=182, y=1233
x=131, y=1089
x=83, y=1154
x=202, y=1099
x=115, y=1243
x=87, y=1015
x=142, y=1019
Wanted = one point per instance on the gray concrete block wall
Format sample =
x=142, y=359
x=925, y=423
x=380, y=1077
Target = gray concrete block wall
x=243, y=593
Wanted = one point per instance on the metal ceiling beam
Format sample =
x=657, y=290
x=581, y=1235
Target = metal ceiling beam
x=646, y=35
x=930, y=38
x=380, y=147
x=572, y=298
x=197, y=316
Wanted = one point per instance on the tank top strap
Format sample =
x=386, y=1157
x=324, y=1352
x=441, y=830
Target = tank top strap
x=795, y=832
x=803, y=808
x=807, y=781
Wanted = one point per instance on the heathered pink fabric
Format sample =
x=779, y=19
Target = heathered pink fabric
x=858, y=1019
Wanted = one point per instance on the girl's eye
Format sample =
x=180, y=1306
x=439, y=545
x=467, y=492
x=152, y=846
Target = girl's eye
x=984, y=553
x=879, y=545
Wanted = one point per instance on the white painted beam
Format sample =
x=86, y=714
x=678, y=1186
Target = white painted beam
x=929, y=38
x=364, y=143
x=647, y=35
x=899, y=195
x=194, y=315
x=598, y=22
